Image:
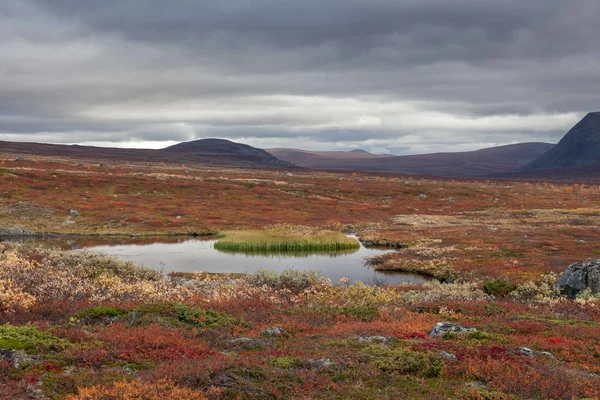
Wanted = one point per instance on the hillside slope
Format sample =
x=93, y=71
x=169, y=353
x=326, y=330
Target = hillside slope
x=214, y=153
x=488, y=161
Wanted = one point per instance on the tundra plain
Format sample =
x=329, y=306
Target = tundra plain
x=81, y=326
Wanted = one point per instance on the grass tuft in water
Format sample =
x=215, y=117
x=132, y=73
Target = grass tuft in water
x=285, y=239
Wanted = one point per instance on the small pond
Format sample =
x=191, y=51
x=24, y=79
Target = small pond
x=190, y=255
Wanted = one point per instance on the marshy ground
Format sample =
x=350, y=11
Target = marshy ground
x=78, y=325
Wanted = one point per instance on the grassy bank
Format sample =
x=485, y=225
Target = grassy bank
x=284, y=239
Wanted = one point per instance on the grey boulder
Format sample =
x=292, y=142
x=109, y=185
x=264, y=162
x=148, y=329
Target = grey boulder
x=579, y=277
x=441, y=328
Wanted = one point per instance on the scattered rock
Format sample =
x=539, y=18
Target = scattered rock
x=74, y=213
x=20, y=159
x=321, y=363
x=80, y=165
x=441, y=328
x=102, y=165
x=452, y=200
x=17, y=358
x=422, y=196
x=476, y=385
x=376, y=339
x=526, y=351
x=579, y=277
x=69, y=221
x=223, y=379
x=546, y=354
x=246, y=343
x=273, y=331
x=447, y=356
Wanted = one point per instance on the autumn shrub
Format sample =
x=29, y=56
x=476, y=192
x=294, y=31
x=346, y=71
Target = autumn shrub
x=293, y=280
x=29, y=338
x=136, y=389
x=498, y=287
x=405, y=361
x=31, y=275
x=541, y=291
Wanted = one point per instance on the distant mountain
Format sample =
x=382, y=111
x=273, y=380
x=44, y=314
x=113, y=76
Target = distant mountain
x=494, y=160
x=579, y=147
x=206, y=152
x=323, y=159
x=222, y=147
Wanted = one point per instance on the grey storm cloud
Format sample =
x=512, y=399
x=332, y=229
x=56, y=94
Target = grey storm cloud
x=388, y=75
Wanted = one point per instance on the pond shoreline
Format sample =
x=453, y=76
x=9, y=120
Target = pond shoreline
x=189, y=253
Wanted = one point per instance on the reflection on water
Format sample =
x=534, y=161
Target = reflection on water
x=190, y=255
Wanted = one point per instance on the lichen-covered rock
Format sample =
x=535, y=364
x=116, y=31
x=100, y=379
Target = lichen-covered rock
x=579, y=277
x=441, y=328
x=273, y=331
x=444, y=355
x=17, y=358
x=375, y=339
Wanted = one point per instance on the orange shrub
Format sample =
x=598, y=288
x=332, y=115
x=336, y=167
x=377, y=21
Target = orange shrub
x=130, y=390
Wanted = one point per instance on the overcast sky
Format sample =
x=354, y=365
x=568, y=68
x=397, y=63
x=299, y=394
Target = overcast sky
x=400, y=76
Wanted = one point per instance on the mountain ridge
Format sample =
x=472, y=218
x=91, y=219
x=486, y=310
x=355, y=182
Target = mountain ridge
x=493, y=160
x=580, y=146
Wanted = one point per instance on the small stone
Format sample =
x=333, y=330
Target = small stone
x=74, y=213
x=476, y=385
x=546, y=354
x=422, y=196
x=375, y=339
x=526, y=351
x=441, y=328
x=447, y=356
x=273, y=331
x=20, y=159
x=17, y=358
x=320, y=363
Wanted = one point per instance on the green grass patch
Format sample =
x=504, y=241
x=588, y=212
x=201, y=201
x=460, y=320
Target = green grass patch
x=498, y=287
x=285, y=239
x=29, y=338
x=405, y=361
x=286, y=362
x=179, y=315
x=98, y=313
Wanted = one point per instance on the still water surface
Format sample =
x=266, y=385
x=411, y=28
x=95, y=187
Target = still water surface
x=190, y=255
